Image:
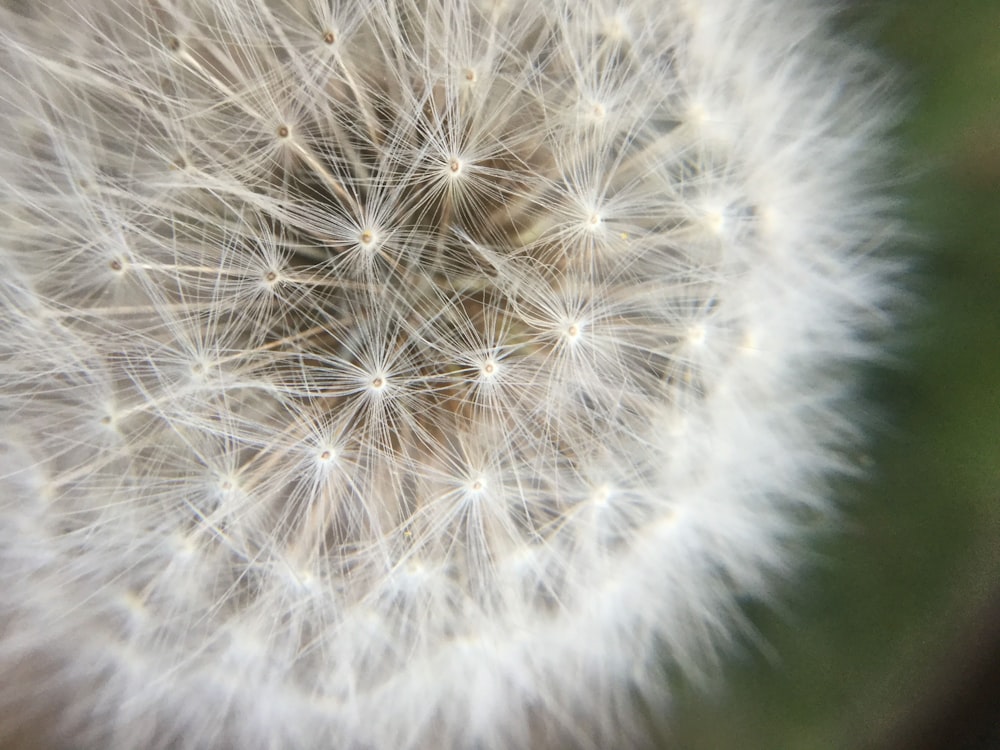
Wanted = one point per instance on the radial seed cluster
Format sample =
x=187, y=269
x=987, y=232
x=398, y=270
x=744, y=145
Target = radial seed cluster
x=412, y=373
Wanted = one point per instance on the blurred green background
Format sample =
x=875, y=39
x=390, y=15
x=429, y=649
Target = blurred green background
x=892, y=641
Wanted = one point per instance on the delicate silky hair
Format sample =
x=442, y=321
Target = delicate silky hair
x=416, y=373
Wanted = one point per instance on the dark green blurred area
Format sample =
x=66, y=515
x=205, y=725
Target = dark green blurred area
x=890, y=635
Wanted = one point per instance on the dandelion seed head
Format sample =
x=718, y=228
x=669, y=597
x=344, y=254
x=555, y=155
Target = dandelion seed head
x=404, y=374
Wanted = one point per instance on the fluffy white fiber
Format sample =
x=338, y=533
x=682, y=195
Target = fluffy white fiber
x=414, y=373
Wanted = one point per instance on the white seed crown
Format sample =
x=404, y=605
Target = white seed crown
x=409, y=373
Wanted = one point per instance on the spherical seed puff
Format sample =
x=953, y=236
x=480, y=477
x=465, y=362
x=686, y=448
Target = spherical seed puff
x=414, y=373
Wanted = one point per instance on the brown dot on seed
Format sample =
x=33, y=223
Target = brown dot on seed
x=477, y=485
x=270, y=277
x=488, y=368
x=470, y=74
x=173, y=43
x=105, y=420
x=367, y=237
x=377, y=382
x=455, y=165
x=179, y=163
x=324, y=456
x=283, y=131
x=329, y=37
x=115, y=265
x=573, y=330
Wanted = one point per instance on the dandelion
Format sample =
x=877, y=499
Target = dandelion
x=414, y=373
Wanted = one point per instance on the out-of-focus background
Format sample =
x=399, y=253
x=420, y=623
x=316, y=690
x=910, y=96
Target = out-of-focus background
x=892, y=641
